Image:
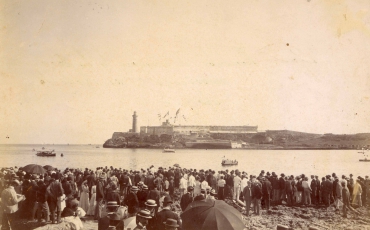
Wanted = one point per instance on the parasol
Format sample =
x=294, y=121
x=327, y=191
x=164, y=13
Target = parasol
x=211, y=215
x=34, y=169
x=48, y=167
x=176, y=165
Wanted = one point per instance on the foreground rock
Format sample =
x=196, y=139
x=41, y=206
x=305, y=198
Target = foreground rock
x=307, y=218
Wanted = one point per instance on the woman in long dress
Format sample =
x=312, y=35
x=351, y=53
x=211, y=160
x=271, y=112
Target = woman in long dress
x=197, y=187
x=91, y=211
x=84, y=199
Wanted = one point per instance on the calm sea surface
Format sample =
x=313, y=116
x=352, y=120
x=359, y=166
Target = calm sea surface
x=317, y=162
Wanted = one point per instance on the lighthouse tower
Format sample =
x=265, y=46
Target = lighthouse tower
x=134, y=123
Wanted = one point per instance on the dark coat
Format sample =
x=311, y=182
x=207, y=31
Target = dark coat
x=275, y=182
x=266, y=188
x=163, y=215
x=132, y=202
x=288, y=186
x=114, y=196
x=154, y=195
x=345, y=196
x=186, y=199
x=281, y=183
x=257, y=191
x=247, y=194
x=100, y=189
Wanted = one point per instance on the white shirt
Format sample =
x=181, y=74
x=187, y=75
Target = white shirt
x=237, y=181
x=183, y=183
x=243, y=184
x=191, y=181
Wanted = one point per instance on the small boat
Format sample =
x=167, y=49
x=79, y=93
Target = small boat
x=61, y=155
x=168, y=150
x=46, y=153
x=365, y=160
x=97, y=147
x=228, y=162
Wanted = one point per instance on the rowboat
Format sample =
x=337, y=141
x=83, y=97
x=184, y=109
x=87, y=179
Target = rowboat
x=168, y=150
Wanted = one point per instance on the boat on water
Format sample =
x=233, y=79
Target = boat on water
x=228, y=162
x=208, y=144
x=61, y=155
x=97, y=146
x=366, y=156
x=169, y=150
x=46, y=153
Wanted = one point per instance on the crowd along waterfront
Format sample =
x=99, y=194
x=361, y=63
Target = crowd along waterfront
x=311, y=162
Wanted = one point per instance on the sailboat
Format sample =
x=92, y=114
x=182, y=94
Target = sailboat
x=366, y=155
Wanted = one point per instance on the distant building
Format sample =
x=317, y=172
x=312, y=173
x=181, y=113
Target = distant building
x=167, y=128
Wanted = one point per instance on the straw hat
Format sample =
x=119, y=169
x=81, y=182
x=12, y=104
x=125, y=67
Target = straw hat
x=145, y=213
x=151, y=203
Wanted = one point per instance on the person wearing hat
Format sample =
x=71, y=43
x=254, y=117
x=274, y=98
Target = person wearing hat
x=115, y=222
x=10, y=200
x=104, y=221
x=247, y=195
x=132, y=201
x=113, y=194
x=187, y=198
x=42, y=207
x=151, y=206
x=166, y=213
x=142, y=195
x=171, y=224
x=212, y=195
x=100, y=195
x=201, y=196
x=142, y=218
x=275, y=188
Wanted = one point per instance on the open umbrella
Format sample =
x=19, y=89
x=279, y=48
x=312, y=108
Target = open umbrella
x=48, y=167
x=176, y=165
x=211, y=215
x=34, y=169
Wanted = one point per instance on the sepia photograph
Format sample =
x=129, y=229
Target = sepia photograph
x=184, y=115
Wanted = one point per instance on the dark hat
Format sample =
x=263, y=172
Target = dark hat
x=283, y=175
x=273, y=173
x=268, y=174
x=134, y=188
x=171, y=223
x=190, y=188
x=350, y=174
x=167, y=200
x=151, y=203
x=263, y=171
x=145, y=213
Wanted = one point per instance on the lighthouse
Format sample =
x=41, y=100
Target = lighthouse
x=134, y=122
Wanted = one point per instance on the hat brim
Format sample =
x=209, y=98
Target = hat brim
x=146, y=217
x=171, y=225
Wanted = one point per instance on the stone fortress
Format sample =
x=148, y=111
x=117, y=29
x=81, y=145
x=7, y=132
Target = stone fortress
x=169, y=129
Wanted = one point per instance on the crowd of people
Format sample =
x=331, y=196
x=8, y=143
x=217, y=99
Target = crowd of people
x=149, y=194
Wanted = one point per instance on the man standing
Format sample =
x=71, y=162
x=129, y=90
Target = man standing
x=54, y=191
x=166, y=213
x=183, y=184
x=132, y=201
x=237, y=180
x=275, y=187
x=266, y=191
x=345, y=197
x=187, y=198
x=256, y=196
x=142, y=219
x=10, y=201
x=314, y=190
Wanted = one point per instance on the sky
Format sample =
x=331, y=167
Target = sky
x=75, y=71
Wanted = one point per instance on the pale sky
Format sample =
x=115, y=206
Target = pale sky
x=75, y=71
